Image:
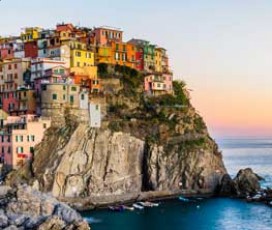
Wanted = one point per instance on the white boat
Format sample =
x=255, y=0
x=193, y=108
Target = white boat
x=137, y=206
x=128, y=208
x=149, y=204
x=257, y=197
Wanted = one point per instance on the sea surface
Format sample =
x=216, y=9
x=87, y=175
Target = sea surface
x=204, y=214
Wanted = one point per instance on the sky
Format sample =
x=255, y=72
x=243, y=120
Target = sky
x=222, y=49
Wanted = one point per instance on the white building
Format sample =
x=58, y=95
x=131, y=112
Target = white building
x=95, y=115
x=40, y=65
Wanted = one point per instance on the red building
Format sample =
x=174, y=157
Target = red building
x=6, y=52
x=10, y=103
x=31, y=49
x=140, y=59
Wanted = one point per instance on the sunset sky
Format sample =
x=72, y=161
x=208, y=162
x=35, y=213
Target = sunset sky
x=222, y=49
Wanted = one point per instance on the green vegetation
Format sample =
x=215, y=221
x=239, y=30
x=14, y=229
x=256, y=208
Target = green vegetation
x=116, y=126
x=179, y=91
x=199, y=124
x=117, y=108
x=131, y=79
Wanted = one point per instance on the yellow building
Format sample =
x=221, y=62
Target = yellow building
x=104, y=54
x=80, y=56
x=30, y=34
x=158, y=59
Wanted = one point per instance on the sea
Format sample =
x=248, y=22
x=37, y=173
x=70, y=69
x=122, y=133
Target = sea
x=204, y=214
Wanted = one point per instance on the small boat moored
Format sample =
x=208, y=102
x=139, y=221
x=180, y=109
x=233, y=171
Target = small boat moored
x=183, y=199
x=137, y=206
x=116, y=208
x=128, y=208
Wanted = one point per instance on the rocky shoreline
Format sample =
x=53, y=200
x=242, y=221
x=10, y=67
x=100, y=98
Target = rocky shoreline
x=25, y=208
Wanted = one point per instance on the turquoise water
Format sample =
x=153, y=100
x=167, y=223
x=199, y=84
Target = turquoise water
x=206, y=214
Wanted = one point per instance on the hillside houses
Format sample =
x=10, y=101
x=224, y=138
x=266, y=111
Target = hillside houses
x=44, y=71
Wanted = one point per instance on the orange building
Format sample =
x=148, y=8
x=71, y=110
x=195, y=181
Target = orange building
x=123, y=54
x=86, y=82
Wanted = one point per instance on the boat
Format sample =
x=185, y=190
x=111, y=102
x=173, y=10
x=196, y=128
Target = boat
x=183, y=199
x=257, y=197
x=137, y=206
x=116, y=208
x=149, y=204
x=128, y=208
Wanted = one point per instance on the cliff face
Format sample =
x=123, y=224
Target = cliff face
x=144, y=145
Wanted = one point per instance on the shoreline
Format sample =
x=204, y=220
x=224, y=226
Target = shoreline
x=93, y=202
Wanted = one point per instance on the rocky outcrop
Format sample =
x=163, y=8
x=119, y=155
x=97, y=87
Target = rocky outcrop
x=25, y=208
x=145, y=146
x=246, y=183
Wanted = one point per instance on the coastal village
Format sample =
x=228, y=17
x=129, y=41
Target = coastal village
x=44, y=71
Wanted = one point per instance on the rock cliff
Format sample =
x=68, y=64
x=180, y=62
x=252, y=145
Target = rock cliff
x=146, y=145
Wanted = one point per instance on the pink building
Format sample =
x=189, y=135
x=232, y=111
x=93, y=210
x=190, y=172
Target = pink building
x=12, y=73
x=104, y=35
x=158, y=84
x=19, y=137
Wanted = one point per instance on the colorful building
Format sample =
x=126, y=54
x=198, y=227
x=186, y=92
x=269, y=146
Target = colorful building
x=158, y=59
x=39, y=66
x=123, y=54
x=31, y=49
x=148, y=53
x=158, y=84
x=80, y=56
x=30, y=34
x=12, y=75
x=104, y=35
x=103, y=54
x=19, y=137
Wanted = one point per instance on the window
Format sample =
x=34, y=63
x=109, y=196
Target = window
x=63, y=97
x=54, y=96
x=78, y=53
x=31, y=149
x=44, y=87
x=19, y=149
x=44, y=125
x=72, y=99
x=28, y=138
x=117, y=47
x=73, y=88
x=64, y=87
x=97, y=107
x=82, y=96
x=15, y=66
x=21, y=138
x=16, y=138
x=33, y=138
